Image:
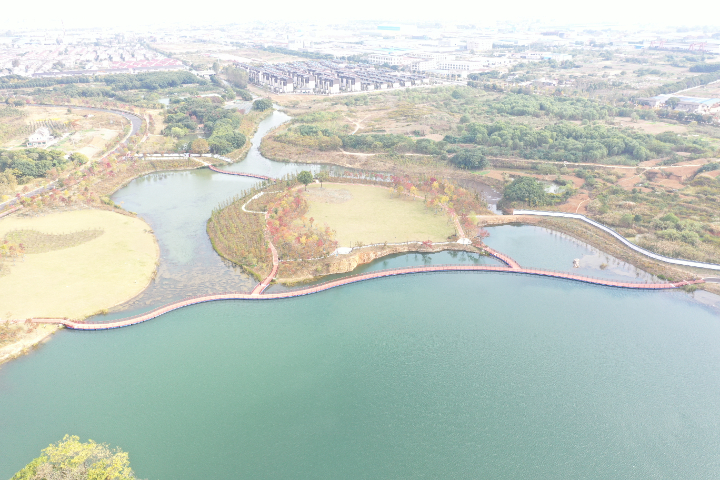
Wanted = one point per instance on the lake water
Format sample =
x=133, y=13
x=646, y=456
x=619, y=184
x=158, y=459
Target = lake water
x=463, y=375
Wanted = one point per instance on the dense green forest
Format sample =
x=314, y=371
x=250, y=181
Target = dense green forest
x=117, y=82
x=706, y=67
x=31, y=162
x=564, y=108
x=220, y=124
x=569, y=142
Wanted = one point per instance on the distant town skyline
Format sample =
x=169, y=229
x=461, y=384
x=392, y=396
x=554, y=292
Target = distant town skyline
x=83, y=13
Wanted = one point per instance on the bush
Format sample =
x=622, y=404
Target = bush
x=78, y=158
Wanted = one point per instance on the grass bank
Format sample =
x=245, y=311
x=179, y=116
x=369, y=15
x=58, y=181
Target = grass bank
x=75, y=263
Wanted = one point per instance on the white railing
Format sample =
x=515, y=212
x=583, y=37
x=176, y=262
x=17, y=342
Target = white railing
x=183, y=155
x=625, y=241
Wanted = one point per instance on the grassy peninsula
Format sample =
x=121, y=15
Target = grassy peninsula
x=364, y=215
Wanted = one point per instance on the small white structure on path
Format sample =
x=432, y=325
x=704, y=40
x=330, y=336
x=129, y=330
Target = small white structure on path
x=576, y=263
x=40, y=138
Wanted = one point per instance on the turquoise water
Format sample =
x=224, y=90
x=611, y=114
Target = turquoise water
x=462, y=375
x=432, y=376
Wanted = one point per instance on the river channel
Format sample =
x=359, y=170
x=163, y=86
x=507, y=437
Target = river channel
x=467, y=375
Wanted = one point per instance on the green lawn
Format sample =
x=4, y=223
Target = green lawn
x=371, y=214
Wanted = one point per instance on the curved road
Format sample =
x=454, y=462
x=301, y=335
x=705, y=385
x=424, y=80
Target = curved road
x=135, y=124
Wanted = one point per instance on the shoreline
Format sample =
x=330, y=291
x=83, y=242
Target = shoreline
x=32, y=337
x=349, y=262
x=28, y=342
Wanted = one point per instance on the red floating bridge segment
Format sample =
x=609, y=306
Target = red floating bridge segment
x=354, y=279
x=239, y=174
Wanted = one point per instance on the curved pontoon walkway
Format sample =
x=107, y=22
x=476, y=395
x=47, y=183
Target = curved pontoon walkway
x=512, y=267
x=239, y=174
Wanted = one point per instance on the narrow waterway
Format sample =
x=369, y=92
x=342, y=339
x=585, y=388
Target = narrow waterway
x=464, y=375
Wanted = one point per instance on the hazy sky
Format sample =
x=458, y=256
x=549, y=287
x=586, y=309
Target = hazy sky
x=48, y=13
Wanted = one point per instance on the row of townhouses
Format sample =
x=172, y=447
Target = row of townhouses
x=325, y=77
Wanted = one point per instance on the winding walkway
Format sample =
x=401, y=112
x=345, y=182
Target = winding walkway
x=625, y=241
x=239, y=174
x=511, y=266
x=257, y=294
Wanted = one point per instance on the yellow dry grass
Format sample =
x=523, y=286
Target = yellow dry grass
x=97, y=129
x=78, y=281
x=370, y=214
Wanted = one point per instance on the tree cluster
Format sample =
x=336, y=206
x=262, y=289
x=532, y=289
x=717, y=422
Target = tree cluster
x=393, y=143
x=563, y=108
x=294, y=235
x=526, y=190
x=31, y=162
x=219, y=123
x=237, y=77
x=689, y=82
x=238, y=236
x=706, y=67
x=117, y=82
x=70, y=458
x=574, y=143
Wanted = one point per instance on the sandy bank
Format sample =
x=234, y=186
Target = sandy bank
x=29, y=336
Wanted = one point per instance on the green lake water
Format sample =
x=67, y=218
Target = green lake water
x=469, y=375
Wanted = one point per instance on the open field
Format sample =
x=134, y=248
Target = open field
x=369, y=214
x=87, y=135
x=75, y=277
x=652, y=128
x=711, y=90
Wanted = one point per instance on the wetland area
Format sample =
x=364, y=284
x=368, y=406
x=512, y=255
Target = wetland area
x=470, y=375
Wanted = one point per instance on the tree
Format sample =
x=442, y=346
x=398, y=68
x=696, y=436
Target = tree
x=305, y=178
x=672, y=102
x=526, y=189
x=70, y=458
x=262, y=104
x=200, y=146
x=468, y=159
x=236, y=76
x=322, y=176
x=8, y=183
x=177, y=132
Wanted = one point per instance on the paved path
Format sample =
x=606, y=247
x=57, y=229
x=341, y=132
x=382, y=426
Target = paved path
x=625, y=241
x=10, y=210
x=260, y=288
